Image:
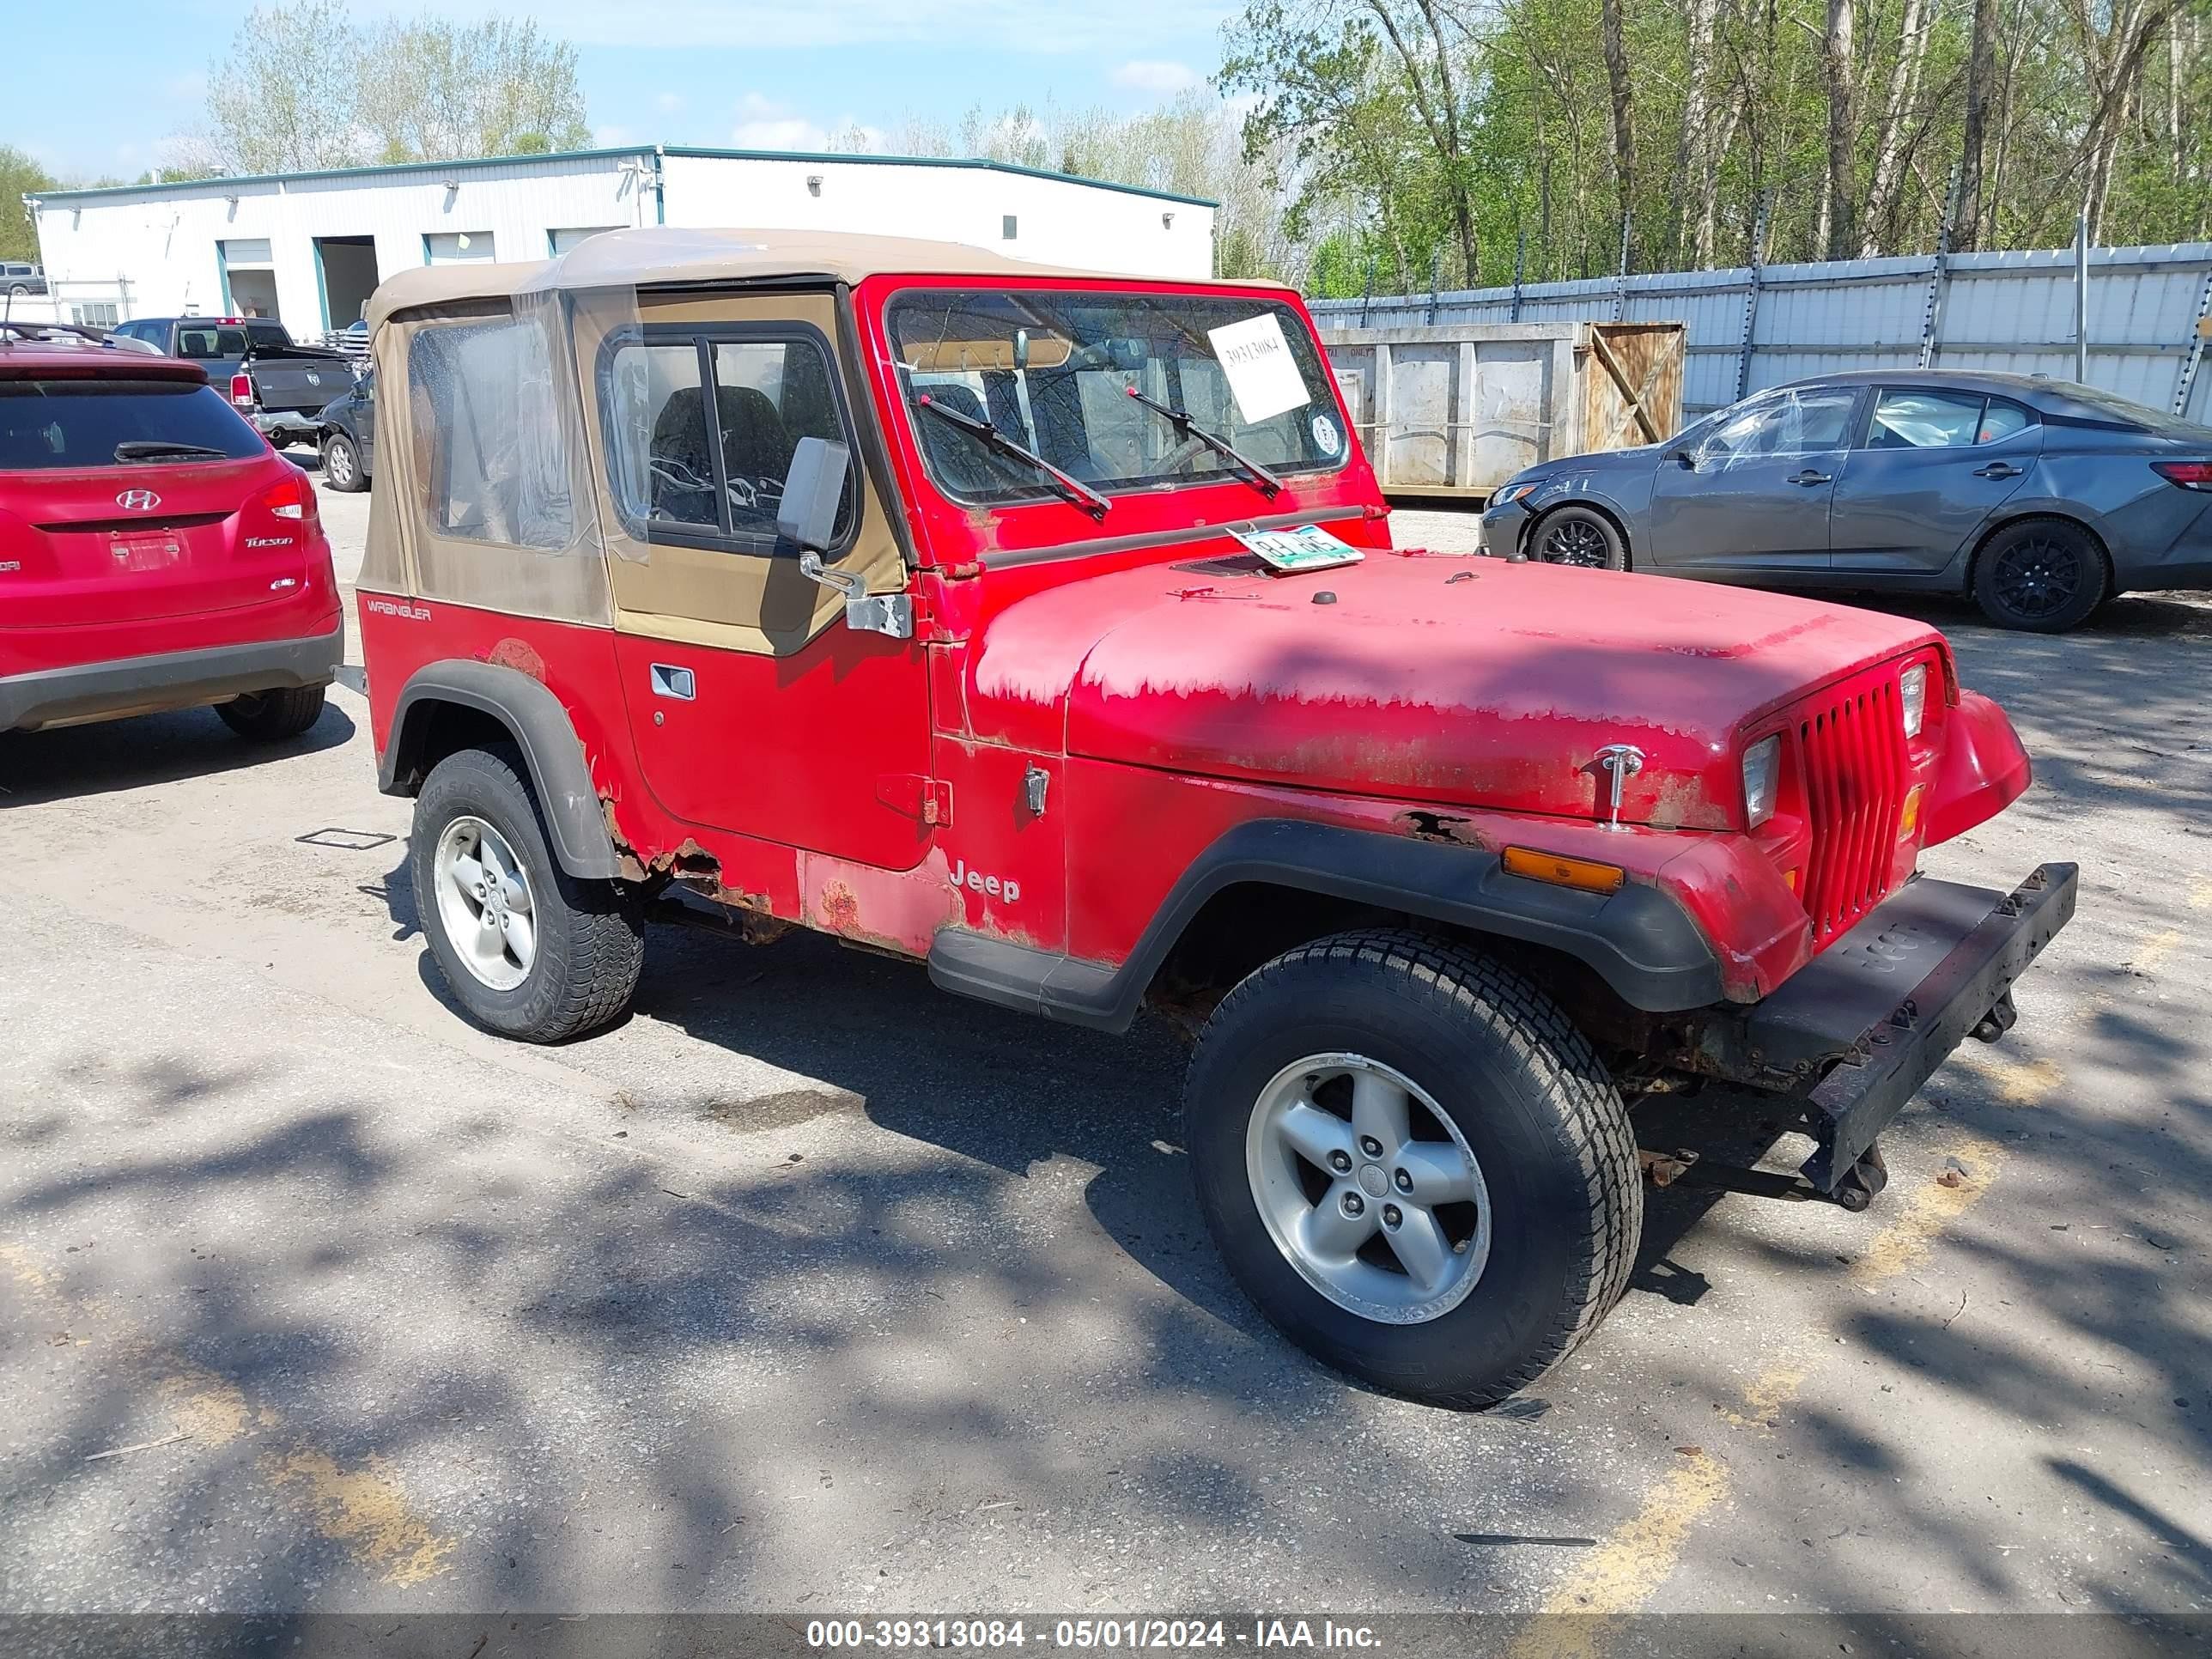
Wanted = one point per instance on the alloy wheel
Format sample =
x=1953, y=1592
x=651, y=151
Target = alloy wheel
x=1576, y=542
x=2037, y=578
x=485, y=903
x=1368, y=1188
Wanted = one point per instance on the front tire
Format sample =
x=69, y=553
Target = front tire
x=529, y=950
x=342, y=464
x=1580, y=536
x=273, y=716
x=1414, y=1164
x=2040, y=576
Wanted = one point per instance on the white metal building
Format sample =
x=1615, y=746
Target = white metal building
x=310, y=247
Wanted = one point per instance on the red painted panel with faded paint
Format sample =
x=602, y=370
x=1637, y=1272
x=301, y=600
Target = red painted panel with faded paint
x=1009, y=863
x=802, y=750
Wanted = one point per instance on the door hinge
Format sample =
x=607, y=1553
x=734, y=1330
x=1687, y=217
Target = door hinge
x=929, y=800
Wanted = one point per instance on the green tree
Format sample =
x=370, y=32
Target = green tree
x=441, y=91
x=19, y=176
x=283, y=100
x=303, y=88
x=1562, y=121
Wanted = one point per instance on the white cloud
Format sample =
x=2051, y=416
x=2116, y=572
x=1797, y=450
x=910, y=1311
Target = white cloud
x=669, y=102
x=783, y=132
x=765, y=124
x=1159, y=74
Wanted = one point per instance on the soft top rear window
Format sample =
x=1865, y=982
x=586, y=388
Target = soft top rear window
x=47, y=425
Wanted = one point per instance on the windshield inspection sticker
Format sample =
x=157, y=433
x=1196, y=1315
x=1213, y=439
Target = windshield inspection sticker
x=1307, y=548
x=1326, y=438
x=1263, y=376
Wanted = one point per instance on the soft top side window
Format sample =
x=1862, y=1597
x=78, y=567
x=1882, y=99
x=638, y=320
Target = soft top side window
x=701, y=425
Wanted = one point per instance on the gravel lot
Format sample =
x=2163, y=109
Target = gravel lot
x=809, y=1289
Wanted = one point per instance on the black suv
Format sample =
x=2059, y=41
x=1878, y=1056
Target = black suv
x=348, y=437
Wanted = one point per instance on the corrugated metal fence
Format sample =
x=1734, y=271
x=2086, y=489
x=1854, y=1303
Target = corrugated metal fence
x=1750, y=328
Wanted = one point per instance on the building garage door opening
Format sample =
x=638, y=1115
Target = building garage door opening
x=249, y=278
x=347, y=266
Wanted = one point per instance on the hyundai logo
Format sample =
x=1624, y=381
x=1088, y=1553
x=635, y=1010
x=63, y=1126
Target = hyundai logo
x=138, y=500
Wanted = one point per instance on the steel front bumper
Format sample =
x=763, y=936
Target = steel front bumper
x=177, y=679
x=1868, y=1021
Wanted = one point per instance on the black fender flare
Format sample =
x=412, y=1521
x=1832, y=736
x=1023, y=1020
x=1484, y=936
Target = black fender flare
x=1639, y=940
x=559, y=773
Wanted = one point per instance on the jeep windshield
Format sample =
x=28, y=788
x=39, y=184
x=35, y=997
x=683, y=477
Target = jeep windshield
x=1052, y=371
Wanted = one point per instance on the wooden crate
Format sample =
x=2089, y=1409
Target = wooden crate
x=1456, y=410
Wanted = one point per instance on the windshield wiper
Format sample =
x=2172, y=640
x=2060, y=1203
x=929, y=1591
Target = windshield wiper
x=1074, y=488
x=1186, y=428
x=155, y=449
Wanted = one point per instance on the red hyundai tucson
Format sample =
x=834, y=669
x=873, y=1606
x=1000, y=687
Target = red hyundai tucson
x=155, y=553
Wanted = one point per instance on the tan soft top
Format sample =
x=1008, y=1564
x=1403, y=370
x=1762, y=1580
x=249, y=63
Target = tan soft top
x=668, y=253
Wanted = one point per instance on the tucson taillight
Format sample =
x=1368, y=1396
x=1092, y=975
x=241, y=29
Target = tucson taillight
x=241, y=391
x=293, y=499
x=2189, y=475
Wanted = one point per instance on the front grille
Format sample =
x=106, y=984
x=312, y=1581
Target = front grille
x=1853, y=751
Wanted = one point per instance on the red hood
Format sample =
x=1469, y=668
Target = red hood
x=1451, y=681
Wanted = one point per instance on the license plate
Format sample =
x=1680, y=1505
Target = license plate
x=155, y=552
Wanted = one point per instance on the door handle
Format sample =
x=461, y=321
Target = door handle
x=1809, y=477
x=670, y=681
x=1997, y=470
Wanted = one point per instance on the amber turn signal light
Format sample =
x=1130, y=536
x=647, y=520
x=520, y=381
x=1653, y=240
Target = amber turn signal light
x=1909, y=819
x=1583, y=873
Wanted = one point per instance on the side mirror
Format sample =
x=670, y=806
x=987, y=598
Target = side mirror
x=1686, y=458
x=812, y=489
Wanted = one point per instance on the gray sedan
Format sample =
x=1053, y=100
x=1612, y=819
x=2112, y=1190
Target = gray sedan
x=2039, y=498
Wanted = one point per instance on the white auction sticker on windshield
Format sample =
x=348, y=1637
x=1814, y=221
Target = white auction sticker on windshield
x=1263, y=376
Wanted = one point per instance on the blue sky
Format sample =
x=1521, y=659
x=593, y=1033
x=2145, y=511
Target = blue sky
x=679, y=71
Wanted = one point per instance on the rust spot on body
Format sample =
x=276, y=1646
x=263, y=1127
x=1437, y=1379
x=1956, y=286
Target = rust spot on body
x=840, y=909
x=520, y=655
x=1424, y=825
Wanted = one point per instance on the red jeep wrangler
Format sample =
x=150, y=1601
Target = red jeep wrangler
x=1045, y=627
x=155, y=552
